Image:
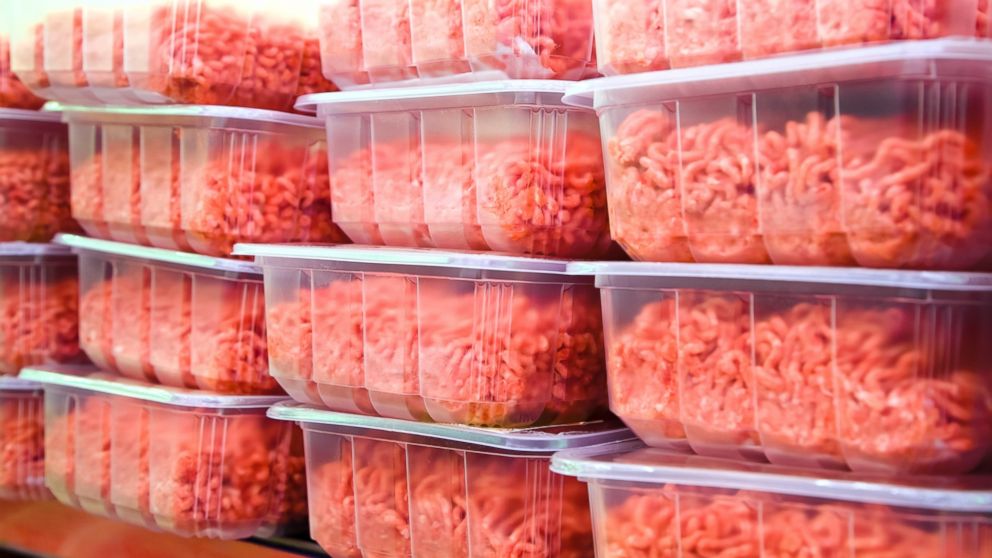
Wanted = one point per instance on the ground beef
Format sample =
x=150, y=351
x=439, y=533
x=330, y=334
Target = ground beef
x=34, y=187
x=38, y=316
x=22, y=445
x=13, y=93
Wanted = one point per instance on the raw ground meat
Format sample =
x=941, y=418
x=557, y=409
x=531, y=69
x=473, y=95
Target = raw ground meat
x=22, y=446
x=34, y=191
x=693, y=193
x=38, y=319
x=13, y=93
x=513, y=196
x=903, y=393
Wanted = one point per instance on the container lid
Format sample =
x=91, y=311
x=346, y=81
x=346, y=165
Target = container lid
x=185, y=259
x=205, y=115
x=631, y=461
x=703, y=274
x=419, y=257
x=49, y=115
x=475, y=94
x=10, y=383
x=90, y=378
x=18, y=249
x=957, y=58
x=538, y=440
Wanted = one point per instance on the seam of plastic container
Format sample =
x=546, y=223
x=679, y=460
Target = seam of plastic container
x=154, y=393
x=185, y=259
x=581, y=463
x=153, y=114
x=8, y=249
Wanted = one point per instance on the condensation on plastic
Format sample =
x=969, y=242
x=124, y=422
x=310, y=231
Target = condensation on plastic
x=876, y=158
x=417, y=334
x=644, y=35
x=499, y=166
x=381, y=487
x=39, y=294
x=866, y=369
x=218, y=52
x=192, y=463
x=172, y=318
x=648, y=502
x=34, y=176
x=199, y=178
x=404, y=42
x=22, y=440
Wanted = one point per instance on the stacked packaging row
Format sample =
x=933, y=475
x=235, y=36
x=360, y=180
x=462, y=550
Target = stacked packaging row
x=805, y=188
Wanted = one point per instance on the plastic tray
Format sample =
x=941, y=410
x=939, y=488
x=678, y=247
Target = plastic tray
x=215, y=52
x=13, y=93
x=867, y=369
x=648, y=502
x=189, y=462
x=199, y=178
x=22, y=440
x=879, y=157
x=39, y=294
x=490, y=166
x=34, y=176
x=644, y=35
x=173, y=318
x=470, y=338
x=383, y=487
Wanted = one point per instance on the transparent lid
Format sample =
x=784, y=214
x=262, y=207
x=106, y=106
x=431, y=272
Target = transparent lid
x=29, y=249
x=184, y=259
x=49, y=115
x=90, y=378
x=537, y=440
x=632, y=461
x=10, y=383
x=203, y=115
x=959, y=58
x=450, y=95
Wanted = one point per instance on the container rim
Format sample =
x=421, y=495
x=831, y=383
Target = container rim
x=49, y=114
x=537, y=440
x=597, y=463
x=161, y=112
x=12, y=249
x=185, y=259
x=11, y=383
x=90, y=378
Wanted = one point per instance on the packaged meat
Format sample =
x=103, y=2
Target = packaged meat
x=648, y=502
x=215, y=467
x=39, y=297
x=408, y=42
x=387, y=487
x=22, y=440
x=645, y=35
x=880, y=157
x=455, y=337
x=501, y=166
x=173, y=318
x=199, y=178
x=867, y=369
x=34, y=176
x=13, y=93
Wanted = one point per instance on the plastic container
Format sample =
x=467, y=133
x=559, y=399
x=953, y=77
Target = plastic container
x=214, y=52
x=39, y=297
x=173, y=318
x=13, y=93
x=455, y=337
x=403, y=42
x=879, y=157
x=649, y=502
x=199, y=178
x=193, y=463
x=22, y=440
x=499, y=166
x=867, y=369
x=34, y=176
x=384, y=487
x=644, y=35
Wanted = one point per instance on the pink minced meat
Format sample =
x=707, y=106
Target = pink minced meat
x=22, y=446
x=38, y=320
x=13, y=93
x=34, y=191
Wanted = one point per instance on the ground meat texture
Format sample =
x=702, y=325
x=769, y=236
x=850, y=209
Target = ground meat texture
x=38, y=316
x=13, y=93
x=34, y=187
x=332, y=496
x=22, y=445
x=77, y=450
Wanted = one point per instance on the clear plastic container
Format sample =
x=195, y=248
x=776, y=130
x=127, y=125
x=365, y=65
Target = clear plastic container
x=199, y=178
x=193, y=463
x=649, y=502
x=645, y=35
x=173, y=318
x=880, y=157
x=214, y=52
x=455, y=337
x=867, y=369
x=13, y=93
x=499, y=166
x=383, y=488
x=39, y=297
x=402, y=42
x=22, y=440
x=34, y=176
